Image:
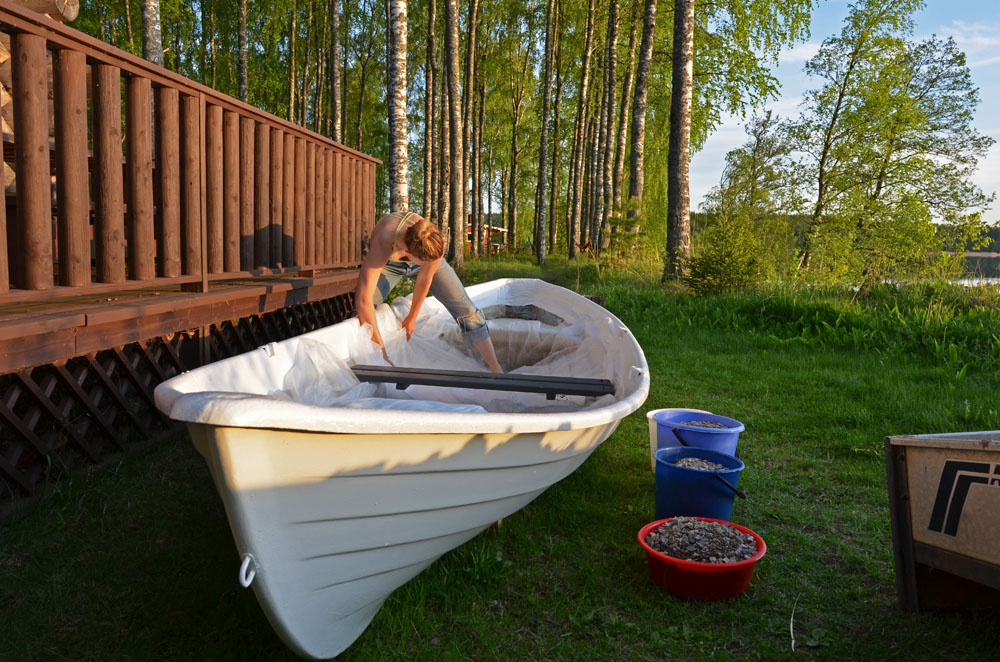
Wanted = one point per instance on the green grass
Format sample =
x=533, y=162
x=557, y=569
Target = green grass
x=137, y=562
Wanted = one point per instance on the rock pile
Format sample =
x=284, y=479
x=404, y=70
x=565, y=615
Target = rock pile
x=691, y=539
x=700, y=464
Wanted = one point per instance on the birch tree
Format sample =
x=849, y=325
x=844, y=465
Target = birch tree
x=399, y=168
x=241, y=31
x=541, y=238
x=336, y=106
x=457, y=183
x=606, y=158
x=152, y=45
x=678, y=181
x=636, y=178
x=575, y=209
x=430, y=111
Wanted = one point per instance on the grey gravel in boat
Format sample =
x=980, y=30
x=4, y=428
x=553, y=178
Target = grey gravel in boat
x=692, y=539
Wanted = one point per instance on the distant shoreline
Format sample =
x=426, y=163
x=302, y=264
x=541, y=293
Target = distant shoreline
x=976, y=254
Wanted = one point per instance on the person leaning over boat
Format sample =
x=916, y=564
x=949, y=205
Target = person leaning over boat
x=406, y=245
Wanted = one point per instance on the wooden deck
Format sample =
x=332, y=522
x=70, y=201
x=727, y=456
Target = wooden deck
x=40, y=332
x=149, y=224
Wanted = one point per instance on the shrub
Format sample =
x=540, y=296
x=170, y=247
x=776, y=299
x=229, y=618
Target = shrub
x=727, y=258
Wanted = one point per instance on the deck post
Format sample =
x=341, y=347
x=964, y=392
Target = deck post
x=109, y=226
x=141, y=246
x=262, y=196
x=190, y=185
x=300, y=245
x=231, y=191
x=69, y=71
x=319, y=193
x=247, y=168
x=213, y=189
x=168, y=175
x=310, y=204
x=32, y=252
x=4, y=269
x=277, y=193
x=288, y=203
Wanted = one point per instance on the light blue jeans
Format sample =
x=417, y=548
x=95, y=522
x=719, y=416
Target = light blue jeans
x=446, y=288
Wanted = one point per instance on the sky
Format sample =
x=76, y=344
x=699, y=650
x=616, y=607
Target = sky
x=975, y=26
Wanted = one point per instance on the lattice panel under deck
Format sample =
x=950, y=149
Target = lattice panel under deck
x=63, y=416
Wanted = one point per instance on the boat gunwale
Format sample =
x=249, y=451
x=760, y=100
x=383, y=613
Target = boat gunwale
x=234, y=409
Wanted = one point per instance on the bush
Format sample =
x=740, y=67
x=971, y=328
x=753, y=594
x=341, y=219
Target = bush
x=727, y=258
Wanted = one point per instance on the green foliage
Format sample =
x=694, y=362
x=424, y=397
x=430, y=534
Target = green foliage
x=726, y=259
x=890, y=148
x=564, y=579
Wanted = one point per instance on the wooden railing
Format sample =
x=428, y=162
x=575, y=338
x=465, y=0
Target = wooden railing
x=180, y=185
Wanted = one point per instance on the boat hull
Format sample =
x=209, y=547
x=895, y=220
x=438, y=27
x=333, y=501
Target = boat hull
x=333, y=528
x=334, y=507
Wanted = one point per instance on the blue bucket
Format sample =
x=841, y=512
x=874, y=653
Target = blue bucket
x=672, y=430
x=693, y=492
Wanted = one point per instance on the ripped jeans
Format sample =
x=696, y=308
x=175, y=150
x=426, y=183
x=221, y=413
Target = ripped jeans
x=446, y=288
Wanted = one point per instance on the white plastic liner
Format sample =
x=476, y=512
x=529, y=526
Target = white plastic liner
x=304, y=383
x=318, y=376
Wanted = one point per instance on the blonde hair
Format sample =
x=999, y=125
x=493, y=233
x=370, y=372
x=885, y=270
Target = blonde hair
x=424, y=240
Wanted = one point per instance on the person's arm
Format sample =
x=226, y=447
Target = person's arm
x=420, y=289
x=364, y=294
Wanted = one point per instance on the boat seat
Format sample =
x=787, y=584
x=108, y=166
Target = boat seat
x=550, y=386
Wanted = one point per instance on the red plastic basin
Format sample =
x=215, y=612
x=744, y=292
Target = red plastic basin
x=702, y=581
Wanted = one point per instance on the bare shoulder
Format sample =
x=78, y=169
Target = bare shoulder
x=380, y=249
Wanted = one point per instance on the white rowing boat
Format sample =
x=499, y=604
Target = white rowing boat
x=339, y=492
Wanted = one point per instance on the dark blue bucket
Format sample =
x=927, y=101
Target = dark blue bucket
x=673, y=429
x=692, y=492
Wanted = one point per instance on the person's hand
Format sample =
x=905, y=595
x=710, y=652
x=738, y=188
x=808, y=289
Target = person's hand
x=409, y=322
x=385, y=355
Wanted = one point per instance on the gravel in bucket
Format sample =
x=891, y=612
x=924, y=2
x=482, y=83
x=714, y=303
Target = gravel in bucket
x=699, y=464
x=691, y=539
x=703, y=424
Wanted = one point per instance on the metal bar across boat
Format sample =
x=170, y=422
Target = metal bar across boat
x=549, y=385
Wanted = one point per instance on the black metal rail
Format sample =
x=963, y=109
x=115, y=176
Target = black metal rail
x=550, y=386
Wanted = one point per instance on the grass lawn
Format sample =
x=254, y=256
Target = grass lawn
x=137, y=562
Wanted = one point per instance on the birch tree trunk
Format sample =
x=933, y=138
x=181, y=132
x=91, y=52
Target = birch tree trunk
x=430, y=111
x=518, y=104
x=636, y=177
x=319, y=88
x=541, y=239
x=291, y=61
x=152, y=44
x=591, y=218
x=457, y=198
x=128, y=25
x=622, y=124
x=366, y=51
x=467, y=93
x=211, y=42
x=304, y=82
x=679, y=155
x=477, y=173
x=241, y=37
x=399, y=165
x=580, y=143
x=336, y=106
x=474, y=159
x=607, y=133
x=444, y=163
x=553, y=226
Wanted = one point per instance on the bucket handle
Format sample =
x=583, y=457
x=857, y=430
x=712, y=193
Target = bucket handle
x=740, y=493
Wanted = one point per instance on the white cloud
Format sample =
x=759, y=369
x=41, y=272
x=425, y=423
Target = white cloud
x=800, y=53
x=979, y=41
